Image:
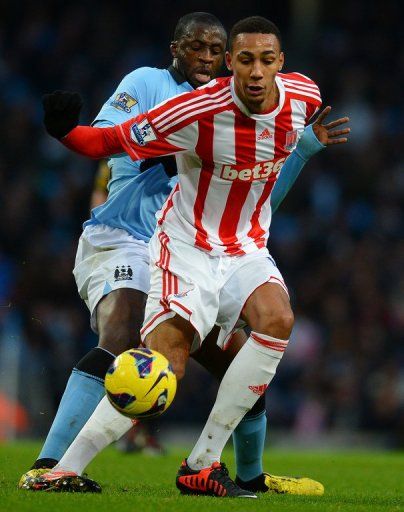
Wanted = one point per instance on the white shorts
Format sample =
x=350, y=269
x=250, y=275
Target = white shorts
x=107, y=259
x=204, y=289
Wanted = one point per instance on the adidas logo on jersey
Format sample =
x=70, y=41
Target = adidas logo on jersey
x=260, y=171
x=265, y=134
x=258, y=390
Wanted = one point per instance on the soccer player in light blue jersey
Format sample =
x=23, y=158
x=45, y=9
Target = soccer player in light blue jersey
x=112, y=272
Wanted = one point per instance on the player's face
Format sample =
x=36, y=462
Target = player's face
x=255, y=59
x=199, y=54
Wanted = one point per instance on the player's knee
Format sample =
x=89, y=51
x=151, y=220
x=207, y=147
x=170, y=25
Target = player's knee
x=120, y=329
x=286, y=322
x=173, y=338
x=179, y=369
x=177, y=356
x=118, y=341
x=277, y=324
x=119, y=319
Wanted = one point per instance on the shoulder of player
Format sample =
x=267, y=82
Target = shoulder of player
x=145, y=85
x=296, y=77
x=146, y=74
x=301, y=86
x=199, y=102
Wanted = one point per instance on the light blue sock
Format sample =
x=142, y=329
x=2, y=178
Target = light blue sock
x=82, y=395
x=249, y=441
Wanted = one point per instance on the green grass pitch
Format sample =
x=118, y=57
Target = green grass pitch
x=367, y=481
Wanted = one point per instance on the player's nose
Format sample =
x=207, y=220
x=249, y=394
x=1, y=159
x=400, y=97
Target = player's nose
x=206, y=55
x=256, y=71
x=256, y=74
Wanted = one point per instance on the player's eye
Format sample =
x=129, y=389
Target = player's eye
x=196, y=47
x=216, y=50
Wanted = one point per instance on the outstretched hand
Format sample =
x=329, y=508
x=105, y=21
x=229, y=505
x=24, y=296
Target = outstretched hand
x=61, y=112
x=325, y=132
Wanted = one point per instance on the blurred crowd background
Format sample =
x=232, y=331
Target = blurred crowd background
x=338, y=237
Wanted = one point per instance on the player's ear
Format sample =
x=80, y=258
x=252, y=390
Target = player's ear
x=281, y=60
x=174, y=48
x=227, y=59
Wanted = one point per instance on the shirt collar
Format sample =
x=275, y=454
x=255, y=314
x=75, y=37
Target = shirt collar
x=177, y=75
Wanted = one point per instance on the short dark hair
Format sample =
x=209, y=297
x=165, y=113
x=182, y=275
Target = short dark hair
x=254, y=25
x=203, y=18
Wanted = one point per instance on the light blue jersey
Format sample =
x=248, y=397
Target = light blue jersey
x=135, y=196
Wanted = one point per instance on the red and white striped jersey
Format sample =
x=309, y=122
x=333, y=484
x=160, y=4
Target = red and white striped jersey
x=228, y=159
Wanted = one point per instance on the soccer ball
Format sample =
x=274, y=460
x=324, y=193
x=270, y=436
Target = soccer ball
x=140, y=383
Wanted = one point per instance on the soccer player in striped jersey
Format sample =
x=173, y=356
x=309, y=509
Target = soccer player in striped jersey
x=116, y=235
x=211, y=262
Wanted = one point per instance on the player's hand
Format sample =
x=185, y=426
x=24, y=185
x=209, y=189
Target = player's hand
x=326, y=133
x=61, y=112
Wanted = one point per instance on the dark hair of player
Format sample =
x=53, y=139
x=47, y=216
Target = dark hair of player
x=198, y=18
x=254, y=25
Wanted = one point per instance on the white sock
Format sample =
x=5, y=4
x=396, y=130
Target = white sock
x=246, y=379
x=103, y=427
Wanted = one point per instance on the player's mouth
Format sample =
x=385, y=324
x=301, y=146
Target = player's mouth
x=203, y=76
x=255, y=90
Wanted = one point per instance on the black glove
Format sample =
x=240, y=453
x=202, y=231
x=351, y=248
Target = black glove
x=61, y=112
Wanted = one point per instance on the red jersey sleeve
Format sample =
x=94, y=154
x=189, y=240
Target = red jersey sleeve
x=141, y=139
x=137, y=137
x=93, y=142
x=170, y=127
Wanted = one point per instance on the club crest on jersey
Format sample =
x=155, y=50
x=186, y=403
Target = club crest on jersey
x=123, y=101
x=260, y=171
x=142, y=133
x=291, y=140
x=123, y=273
